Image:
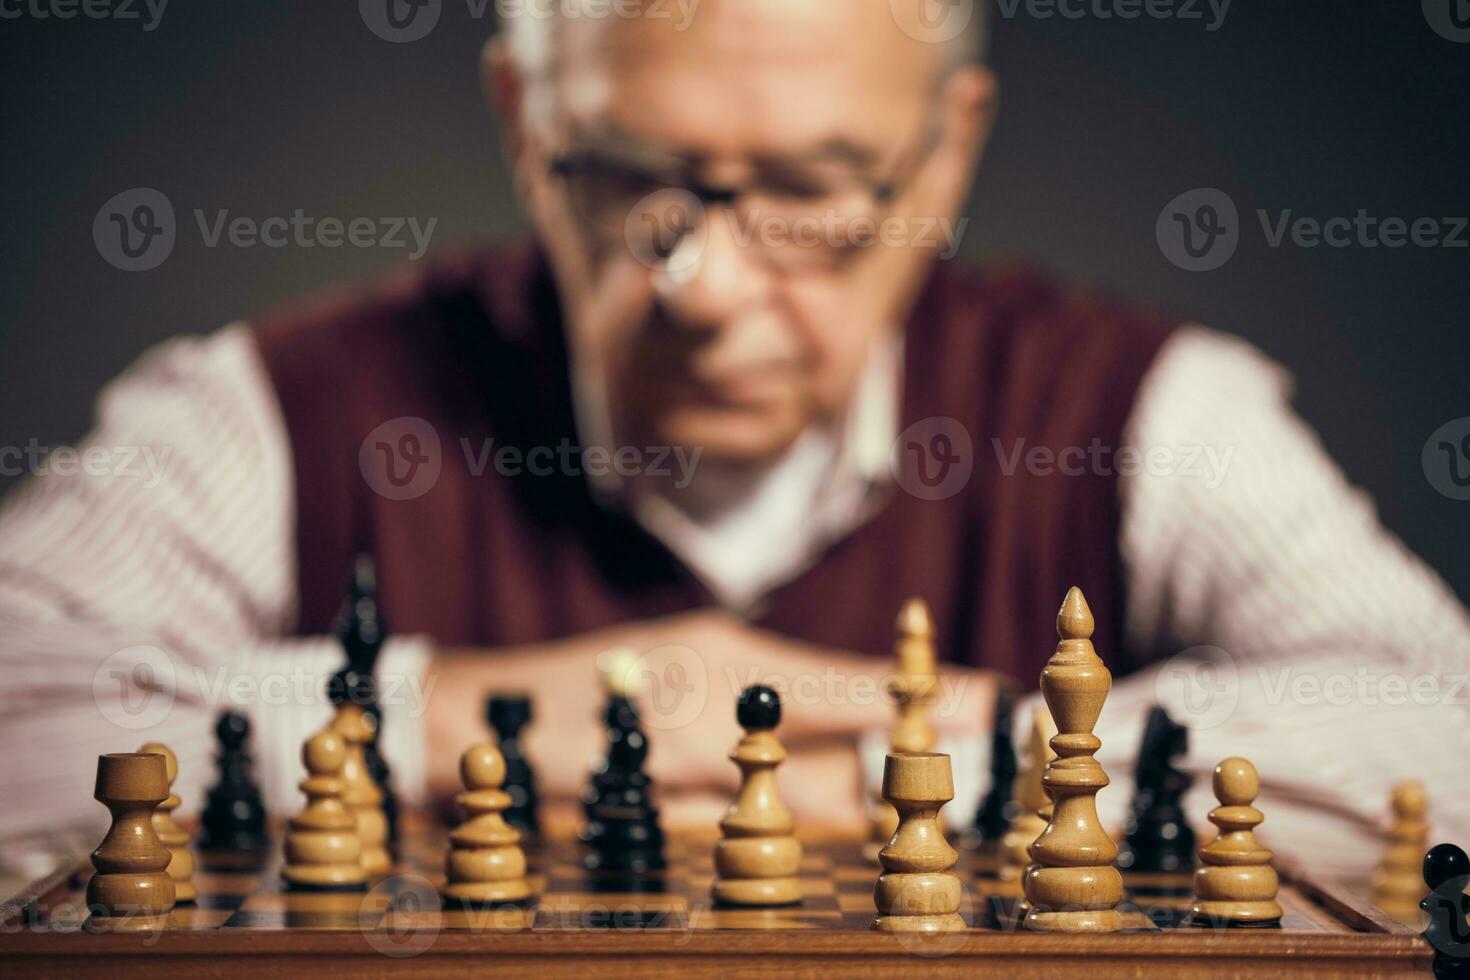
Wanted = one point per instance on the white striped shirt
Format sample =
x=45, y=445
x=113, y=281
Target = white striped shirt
x=106, y=564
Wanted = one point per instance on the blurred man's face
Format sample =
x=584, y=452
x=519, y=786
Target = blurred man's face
x=734, y=329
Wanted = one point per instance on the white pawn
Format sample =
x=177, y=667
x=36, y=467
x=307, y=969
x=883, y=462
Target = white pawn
x=757, y=861
x=485, y=864
x=322, y=849
x=918, y=890
x=1235, y=883
x=170, y=834
x=1398, y=882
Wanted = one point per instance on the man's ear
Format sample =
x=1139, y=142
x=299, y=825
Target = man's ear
x=968, y=105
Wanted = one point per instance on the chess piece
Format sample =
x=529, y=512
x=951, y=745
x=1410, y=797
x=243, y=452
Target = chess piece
x=757, y=860
x=360, y=794
x=1072, y=885
x=132, y=889
x=508, y=714
x=998, y=809
x=622, y=830
x=1157, y=837
x=485, y=864
x=1398, y=880
x=918, y=890
x=1033, y=811
x=1235, y=883
x=912, y=689
x=1447, y=875
x=234, y=816
x=170, y=834
x=362, y=633
x=322, y=848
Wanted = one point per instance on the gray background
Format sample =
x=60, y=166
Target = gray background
x=269, y=106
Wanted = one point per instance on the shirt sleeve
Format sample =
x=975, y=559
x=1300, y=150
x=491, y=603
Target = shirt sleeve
x=147, y=583
x=1295, y=630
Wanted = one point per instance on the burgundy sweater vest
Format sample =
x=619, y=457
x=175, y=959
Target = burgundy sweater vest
x=473, y=346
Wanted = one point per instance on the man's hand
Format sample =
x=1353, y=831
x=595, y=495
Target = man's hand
x=690, y=670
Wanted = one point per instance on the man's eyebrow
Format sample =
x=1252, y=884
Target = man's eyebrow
x=835, y=149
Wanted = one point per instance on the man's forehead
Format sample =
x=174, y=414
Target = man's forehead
x=771, y=69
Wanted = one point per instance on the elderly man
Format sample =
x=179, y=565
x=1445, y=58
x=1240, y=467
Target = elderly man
x=729, y=409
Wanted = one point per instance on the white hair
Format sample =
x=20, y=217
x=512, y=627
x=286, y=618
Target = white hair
x=530, y=34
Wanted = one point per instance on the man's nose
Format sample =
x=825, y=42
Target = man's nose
x=713, y=275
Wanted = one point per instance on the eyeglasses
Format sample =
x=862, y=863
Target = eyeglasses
x=797, y=220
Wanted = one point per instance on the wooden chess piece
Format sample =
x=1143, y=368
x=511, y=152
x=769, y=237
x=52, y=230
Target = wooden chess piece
x=918, y=890
x=170, y=834
x=757, y=861
x=322, y=848
x=132, y=889
x=1235, y=883
x=1031, y=800
x=1398, y=883
x=360, y=793
x=912, y=688
x=1072, y=885
x=485, y=864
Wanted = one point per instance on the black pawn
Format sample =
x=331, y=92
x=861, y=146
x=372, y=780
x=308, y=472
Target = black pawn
x=1447, y=872
x=508, y=714
x=622, y=832
x=1157, y=836
x=998, y=808
x=234, y=816
x=759, y=709
x=362, y=632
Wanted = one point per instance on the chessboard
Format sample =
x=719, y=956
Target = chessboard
x=581, y=923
